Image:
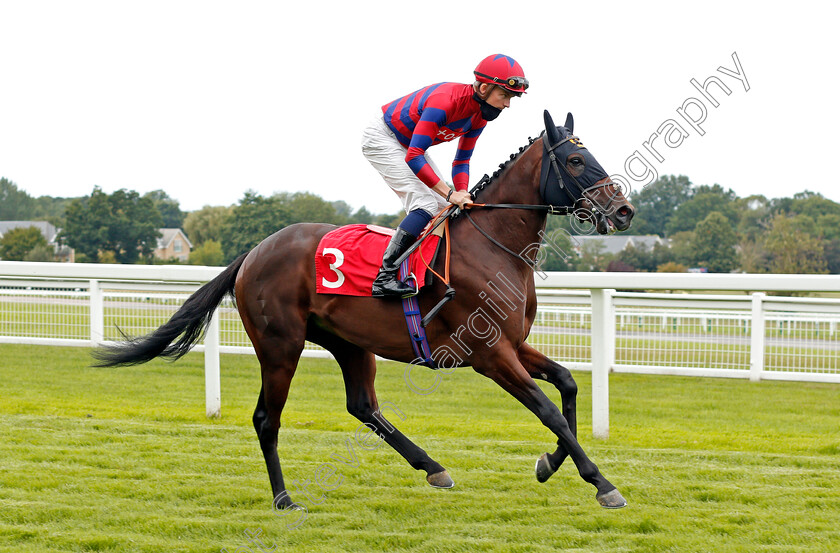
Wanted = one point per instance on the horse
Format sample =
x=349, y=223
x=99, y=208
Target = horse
x=484, y=326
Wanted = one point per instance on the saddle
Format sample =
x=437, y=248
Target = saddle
x=348, y=258
x=347, y=261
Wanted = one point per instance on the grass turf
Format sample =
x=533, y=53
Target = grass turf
x=123, y=459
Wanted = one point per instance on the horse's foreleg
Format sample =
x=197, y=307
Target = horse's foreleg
x=359, y=369
x=507, y=371
x=542, y=368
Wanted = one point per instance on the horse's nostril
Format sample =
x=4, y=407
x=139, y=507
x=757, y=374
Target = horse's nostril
x=625, y=212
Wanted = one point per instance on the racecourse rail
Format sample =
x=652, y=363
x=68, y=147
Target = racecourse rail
x=582, y=321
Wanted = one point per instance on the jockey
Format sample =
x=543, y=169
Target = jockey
x=396, y=141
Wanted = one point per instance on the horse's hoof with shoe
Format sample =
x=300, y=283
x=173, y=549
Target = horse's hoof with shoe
x=440, y=480
x=611, y=500
x=543, y=468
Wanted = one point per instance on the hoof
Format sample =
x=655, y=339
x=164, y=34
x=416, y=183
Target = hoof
x=287, y=504
x=611, y=500
x=543, y=468
x=440, y=480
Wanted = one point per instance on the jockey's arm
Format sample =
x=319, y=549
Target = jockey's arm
x=458, y=197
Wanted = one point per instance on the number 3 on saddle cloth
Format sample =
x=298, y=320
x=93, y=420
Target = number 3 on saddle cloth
x=347, y=261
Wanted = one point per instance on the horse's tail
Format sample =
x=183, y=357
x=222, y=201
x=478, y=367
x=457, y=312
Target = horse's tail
x=188, y=322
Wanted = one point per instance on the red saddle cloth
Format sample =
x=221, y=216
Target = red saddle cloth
x=348, y=259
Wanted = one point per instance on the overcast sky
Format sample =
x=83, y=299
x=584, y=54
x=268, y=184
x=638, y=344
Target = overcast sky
x=206, y=100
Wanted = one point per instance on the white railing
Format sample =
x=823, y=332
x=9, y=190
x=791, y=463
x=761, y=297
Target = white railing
x=581, y=322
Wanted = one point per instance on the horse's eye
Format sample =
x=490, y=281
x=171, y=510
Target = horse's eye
x=576, y=161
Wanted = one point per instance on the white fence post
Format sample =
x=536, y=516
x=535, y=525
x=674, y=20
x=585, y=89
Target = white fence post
x=212, y=381
x=757, y=337
x=603, y=358
x=96, y=312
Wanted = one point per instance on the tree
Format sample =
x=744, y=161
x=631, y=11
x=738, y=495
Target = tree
x=831, y=252
x=304, y=207
x=18, y=242
x=40, y=253
x=706, y=199
x=362, y=215
x=594, y=257
x=643, y=259
x=828, y=226
x=754, y=216
x=255, y=218
x=343, y=209
x=48, y=208
x=752, y=257
x=657, y=202
x=791, y=250
x=714, y=242
x=390, y=221
x=557, y=252
x=811, y=204
x=123, y=223
x=15, y=204
x=169, y=208
x=209, y=253
x=671, y=267
x=206, y=224
x=681, y=248
x=618, y=266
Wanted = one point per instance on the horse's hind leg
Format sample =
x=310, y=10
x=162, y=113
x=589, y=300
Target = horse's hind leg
x=278, y=352
x=267, y=425
x=541, y=367
x=359, y=369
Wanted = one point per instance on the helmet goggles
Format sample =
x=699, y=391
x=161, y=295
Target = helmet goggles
x=513, y=84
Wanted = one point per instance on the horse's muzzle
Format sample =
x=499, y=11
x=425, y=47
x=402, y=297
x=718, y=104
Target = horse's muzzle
x=615, y=221
x=623, y=216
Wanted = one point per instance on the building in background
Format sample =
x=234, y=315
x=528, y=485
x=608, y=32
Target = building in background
x=62, y=253
x=618, y=242
x=173, y=244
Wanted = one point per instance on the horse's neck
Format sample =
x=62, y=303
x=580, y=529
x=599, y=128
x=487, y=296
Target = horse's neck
x=516, y=229
x=517, y=184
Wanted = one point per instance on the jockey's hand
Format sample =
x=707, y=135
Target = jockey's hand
x=460, y=198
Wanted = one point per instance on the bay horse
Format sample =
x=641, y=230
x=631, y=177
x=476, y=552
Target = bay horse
x=493, y=250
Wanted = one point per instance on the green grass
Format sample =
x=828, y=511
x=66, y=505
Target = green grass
x=124, y=460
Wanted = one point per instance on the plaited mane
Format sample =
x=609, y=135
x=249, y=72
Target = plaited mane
x=487, y=180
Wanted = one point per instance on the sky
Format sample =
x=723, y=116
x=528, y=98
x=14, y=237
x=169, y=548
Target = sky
x=206, y=100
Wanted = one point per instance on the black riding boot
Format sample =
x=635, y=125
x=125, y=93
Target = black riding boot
x=386, y=284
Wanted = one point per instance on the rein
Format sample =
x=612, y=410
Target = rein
x=527, y=261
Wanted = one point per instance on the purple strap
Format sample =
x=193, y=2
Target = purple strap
x=413, y=319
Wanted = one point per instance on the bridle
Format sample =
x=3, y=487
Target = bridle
x=551, y=209
x=576, y=192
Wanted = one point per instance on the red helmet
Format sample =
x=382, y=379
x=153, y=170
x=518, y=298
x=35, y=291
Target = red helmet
x=503, y=71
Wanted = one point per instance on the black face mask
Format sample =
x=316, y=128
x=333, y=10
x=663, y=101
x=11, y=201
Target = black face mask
x=488, y=112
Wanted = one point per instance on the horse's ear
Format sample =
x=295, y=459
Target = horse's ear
x=550, y=129
x=570, y=122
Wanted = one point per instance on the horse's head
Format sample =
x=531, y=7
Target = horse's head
x=571, y=176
